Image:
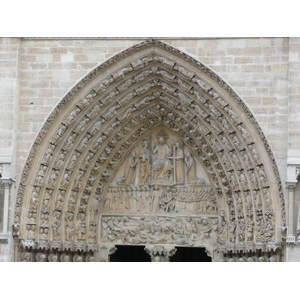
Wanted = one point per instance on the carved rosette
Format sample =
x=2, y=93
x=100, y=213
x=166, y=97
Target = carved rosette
x=89, y=137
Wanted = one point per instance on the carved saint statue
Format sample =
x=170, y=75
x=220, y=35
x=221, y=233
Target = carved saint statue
x=130, y=169
x=144, y=163
x=178, y=168
x=162, y=167
x=191, y=169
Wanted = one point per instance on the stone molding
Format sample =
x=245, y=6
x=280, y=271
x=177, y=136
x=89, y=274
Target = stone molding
x=4, y=238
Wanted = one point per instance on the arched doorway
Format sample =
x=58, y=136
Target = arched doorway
x=149, y=126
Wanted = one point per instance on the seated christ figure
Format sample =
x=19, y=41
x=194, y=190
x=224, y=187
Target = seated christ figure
x=162, y=167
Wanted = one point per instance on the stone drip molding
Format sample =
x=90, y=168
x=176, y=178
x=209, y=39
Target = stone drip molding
x=133, y=96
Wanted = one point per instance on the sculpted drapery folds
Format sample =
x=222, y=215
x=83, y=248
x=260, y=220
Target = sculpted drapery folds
x=144, y=165
x=162, y=167
x=179, y=164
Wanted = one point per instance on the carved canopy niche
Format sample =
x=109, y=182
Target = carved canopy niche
x=151, y=135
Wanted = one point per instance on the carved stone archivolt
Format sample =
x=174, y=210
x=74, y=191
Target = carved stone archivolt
x=151, y=135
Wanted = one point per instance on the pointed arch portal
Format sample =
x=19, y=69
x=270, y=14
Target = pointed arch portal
x=150, y=148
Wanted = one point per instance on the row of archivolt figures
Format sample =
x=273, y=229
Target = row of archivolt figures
x=158, y=199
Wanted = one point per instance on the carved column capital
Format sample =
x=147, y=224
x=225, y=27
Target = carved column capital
x=290, y=185
x=7, y=182
x=160, y=253
x=105, y=251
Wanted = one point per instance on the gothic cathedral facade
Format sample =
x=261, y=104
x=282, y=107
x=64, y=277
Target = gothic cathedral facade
x=155, y=143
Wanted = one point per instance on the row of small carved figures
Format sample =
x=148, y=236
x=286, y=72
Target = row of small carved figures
x=232, y=178
x=251, y=258
x=155, y=226
x=240, y=122
x=55, y=257
x=164, y=201
x=40, y=176
x=72, y=137
x=260, y=226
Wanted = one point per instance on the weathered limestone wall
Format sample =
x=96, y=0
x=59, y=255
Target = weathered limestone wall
x=9, y=107
x=9, y=89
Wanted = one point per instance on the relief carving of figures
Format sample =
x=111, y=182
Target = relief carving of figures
x=222, y=229
x=53, y=258
x=81, y=126
x=144, y=163
x=72, y=201
x=61, y=159
x=41, y=257
x=250, y=227
x=257, y=199
x=44, y=233
x=166, y=62
x=45, y=219
x=93, y=112
x=122, y=72
x=156, y=195
x=31, y=231
x=49, y=153
x=179, y=164
x=60, y=200
x=191, y=169
x=167, y=201
x=130, y=169
x=254, y=152
x=72, y=116
x=184, y=72
x=81, y=227
x=139, y=63
x=232, y=232
x=267, y=197
x=53, y=177
x=47, y=200
x=92, y=235
x=162, y=167
x=96, y=127
x=26, y=257
x=65, y=258
x=154, y=229
x=34, y=198
x=70, y=226
x=56, y=224
x=41, y=174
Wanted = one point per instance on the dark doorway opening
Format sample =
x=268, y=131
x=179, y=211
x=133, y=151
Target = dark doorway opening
x=130, y=254
x=188, y=254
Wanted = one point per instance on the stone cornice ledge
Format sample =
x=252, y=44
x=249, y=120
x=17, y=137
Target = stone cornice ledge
x=133, y=38
x=4, y=238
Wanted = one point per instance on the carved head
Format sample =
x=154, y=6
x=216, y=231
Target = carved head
x=161, y=140
x=188, y=154
x=42, y=258
x=66, y=258
x=177, y=145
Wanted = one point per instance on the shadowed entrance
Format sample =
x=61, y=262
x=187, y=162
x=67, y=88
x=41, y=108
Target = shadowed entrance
x=188, y=254
x=130, y=254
